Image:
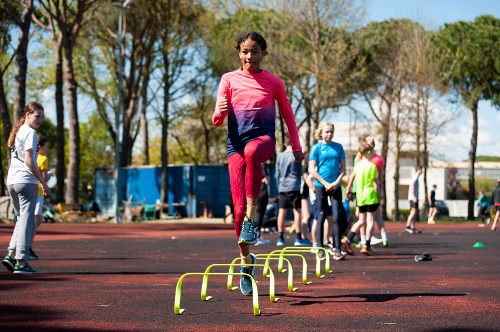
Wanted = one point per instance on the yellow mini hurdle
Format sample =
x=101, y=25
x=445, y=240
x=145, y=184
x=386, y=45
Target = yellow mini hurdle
x=204, y=286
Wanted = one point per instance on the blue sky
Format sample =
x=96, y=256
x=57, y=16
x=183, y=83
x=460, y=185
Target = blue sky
x=436, y=12
x=454, y=143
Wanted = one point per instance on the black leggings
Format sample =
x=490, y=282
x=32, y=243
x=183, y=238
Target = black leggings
x=484, y=212
x=321, y=203
x=261, y=208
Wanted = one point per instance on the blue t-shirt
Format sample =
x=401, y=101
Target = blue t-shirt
x=327, y=158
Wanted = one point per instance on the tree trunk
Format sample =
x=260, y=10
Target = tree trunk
x=207, y=145
x=165, y=119
x=397, y=162
x=472, y=161
x=7, y=127
x=61, y=139
x=3, y=188
x=128, y=133
x=385, y=154
x=418, y=135
x=164, y=152
x=4, y=113
x=21, y=66
x=143, y=120
x=145, y=137
x=425, y=152
x=74, y=125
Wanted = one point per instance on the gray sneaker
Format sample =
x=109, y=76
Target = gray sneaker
x=246, y=281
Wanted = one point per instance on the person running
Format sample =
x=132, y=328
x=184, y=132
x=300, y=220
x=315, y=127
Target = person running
x=247, y=96
x=43, y=167
x=288, y=176
x=327, y=165
x=22, y=184
x=413, y=198
x=495, y=196
x=366, y=175
x=484, y=203
x=432, y=206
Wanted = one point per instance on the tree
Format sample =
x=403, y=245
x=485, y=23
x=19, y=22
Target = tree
x=205, y=142
x=137, y=64
x=47, y=23
x=97, y=151
x=382, y=85
x=70, y=17
x=179, y=22
x=424, y=90
x=6, y=60
x=469, y=63
x=314, y=36
x=21, y=53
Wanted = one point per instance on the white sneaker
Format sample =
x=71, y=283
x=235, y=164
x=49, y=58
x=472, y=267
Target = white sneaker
x=374, y=241
x=261, y=241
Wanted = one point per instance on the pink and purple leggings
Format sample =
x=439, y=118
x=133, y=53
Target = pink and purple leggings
x=245, y=174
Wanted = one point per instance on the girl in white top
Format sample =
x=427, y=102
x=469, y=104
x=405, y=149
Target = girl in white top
x=22, y=184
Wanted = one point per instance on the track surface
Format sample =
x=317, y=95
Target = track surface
x=108, y=277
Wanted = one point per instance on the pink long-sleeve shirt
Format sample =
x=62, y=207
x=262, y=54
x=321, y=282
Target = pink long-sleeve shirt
x=252, y=108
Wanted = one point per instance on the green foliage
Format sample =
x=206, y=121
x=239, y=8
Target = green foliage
x=469, y=62
x=42, y=68
x=48, y=129
x=205, y=142
x=339, y=59
x=381, y=44
x=222, y=36
x=488, y=158
x=97, y=150
x=486, y=183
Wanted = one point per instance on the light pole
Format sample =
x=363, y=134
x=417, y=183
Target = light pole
x=121, y=6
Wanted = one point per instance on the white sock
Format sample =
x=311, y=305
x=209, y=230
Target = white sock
x=384, y=236
x=363, y=239
x=243, y=261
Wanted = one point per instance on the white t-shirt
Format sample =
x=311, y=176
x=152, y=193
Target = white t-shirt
x=19, y=172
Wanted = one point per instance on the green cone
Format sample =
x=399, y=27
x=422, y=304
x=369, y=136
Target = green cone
x=478, y=245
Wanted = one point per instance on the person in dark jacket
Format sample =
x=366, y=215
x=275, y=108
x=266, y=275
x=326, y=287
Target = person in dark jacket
x=495, y=196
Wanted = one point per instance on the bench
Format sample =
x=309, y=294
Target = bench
x=162, y=210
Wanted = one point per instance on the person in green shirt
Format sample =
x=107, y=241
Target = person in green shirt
x=366, y=175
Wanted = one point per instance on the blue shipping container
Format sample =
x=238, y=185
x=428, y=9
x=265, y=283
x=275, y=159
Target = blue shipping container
x=203, y=189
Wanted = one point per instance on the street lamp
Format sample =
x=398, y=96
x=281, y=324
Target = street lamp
x=121, y=6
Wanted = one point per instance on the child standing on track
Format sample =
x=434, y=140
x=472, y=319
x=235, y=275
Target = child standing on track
x=366, y=175
x=327, y=165
x=432, y=206
x=247, y=98
x=22, y=183
x=43, y=167
x=288, y=176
